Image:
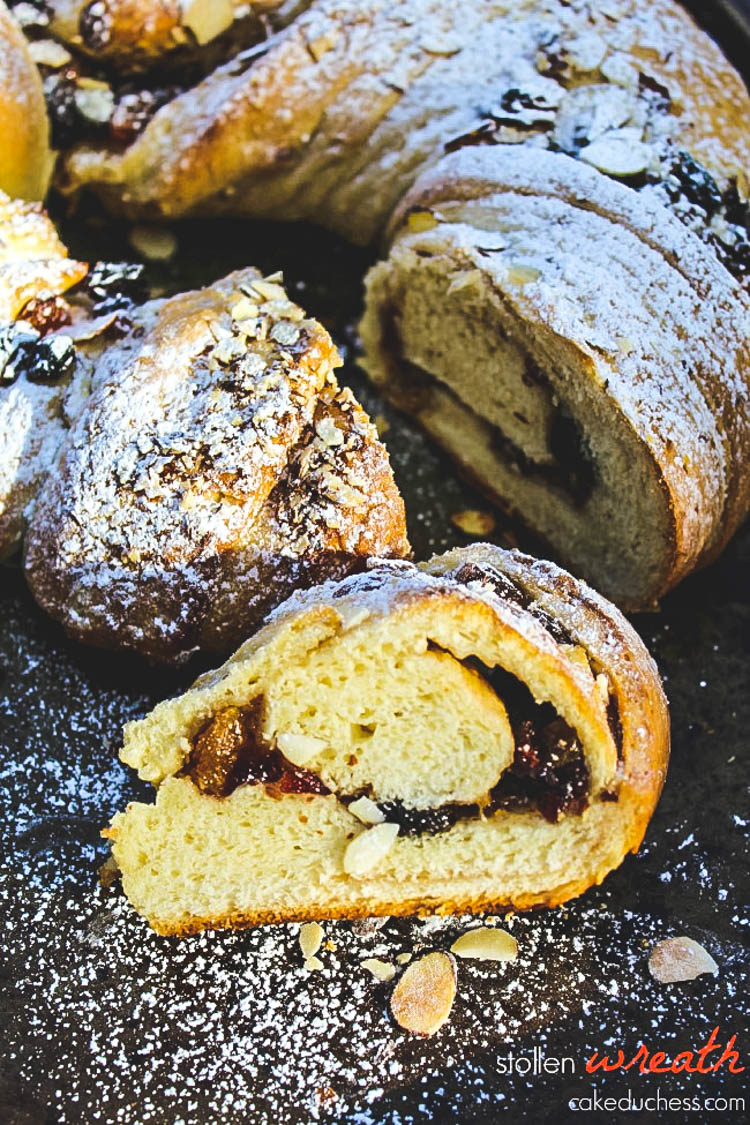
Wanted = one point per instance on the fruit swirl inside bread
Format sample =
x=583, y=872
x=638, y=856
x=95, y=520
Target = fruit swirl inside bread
x=480, y=730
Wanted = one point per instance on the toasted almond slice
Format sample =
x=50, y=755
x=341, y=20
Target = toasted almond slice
x=269, y=290
x=366, y=811
x=420, y=221
x=616, y=155
x=520, y=274
x=381, y=970
x=244, y=309
x=369, y=848
x=423, y=998
x=472, y=521
x=299, y=748
x=313, y=963
x=207, y=18
x=310, y=939
x=485, y=943
x=680, y=958
x=156, y=244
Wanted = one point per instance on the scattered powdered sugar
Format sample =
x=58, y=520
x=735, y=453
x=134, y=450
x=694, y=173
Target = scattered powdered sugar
x=108, y=1022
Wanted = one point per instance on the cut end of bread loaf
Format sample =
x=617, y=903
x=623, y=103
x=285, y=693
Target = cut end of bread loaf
x=471, y=733
x=510, y=320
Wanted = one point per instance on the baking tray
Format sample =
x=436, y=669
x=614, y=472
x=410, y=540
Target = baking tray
x=102, y=1021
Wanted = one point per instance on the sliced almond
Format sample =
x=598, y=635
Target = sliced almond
x=269, y=290
x=486, y=943
x=207, y=18
x=420, y=221
x=368, y=849
x=617, y=156
x=244, y=309
x=310, y=939
x=47, y=52
x=403, y=958
x=423, y=998
x=156, y=244
x=472, y=521
x=299, y=748
x=678, y=959
x=523, y=275
x=381, y=970
x=367, y=811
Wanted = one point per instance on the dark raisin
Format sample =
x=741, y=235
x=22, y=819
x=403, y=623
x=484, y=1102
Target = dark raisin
x=296, y=780
x=46, y=314
x=614, y=721
x=134, y=110
x=95, y=26
x=115, y=285
x=416, y=822
x=500, y=584
x=50, y=359
x=554, y=627
x=65, y=122
x=14, y=340
x=687, y=178
x=548, y=771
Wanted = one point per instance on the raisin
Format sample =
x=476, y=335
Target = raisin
x=134, y=110
x=228, y=751
x=687, y=178
x=296, y=780
x=549, y=770
x=66, y=126
x=488, y=575
x=95, y=26
x=46, y=314
x=51, y=359
x=115, y=285
x=14, y=340
x=22, y=352
x=416, y=822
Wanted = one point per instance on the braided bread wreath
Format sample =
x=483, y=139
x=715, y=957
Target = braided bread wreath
x=560, y=192
x=560, y=188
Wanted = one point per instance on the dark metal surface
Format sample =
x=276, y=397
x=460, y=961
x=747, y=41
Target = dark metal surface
x=104, y=1022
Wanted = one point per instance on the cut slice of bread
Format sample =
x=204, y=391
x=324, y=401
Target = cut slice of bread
x=529, y=319
x=479, y=731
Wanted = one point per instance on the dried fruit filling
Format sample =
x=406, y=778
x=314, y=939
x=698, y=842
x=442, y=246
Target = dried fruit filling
x=548, y=773
x=229, y=751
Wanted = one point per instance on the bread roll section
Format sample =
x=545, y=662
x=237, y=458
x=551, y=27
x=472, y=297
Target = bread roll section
x=573, y=329
x=585, y=378
x=476, y=732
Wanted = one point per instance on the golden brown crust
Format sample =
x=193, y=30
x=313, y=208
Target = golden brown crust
x=338, y=115
x=216, y=466
x=25, y=158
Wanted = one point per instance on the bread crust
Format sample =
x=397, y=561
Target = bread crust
x=698, y=406
x=196, y=463
x=25, y=158
x=596, y=841
x=192, y=493
x=631, y=119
